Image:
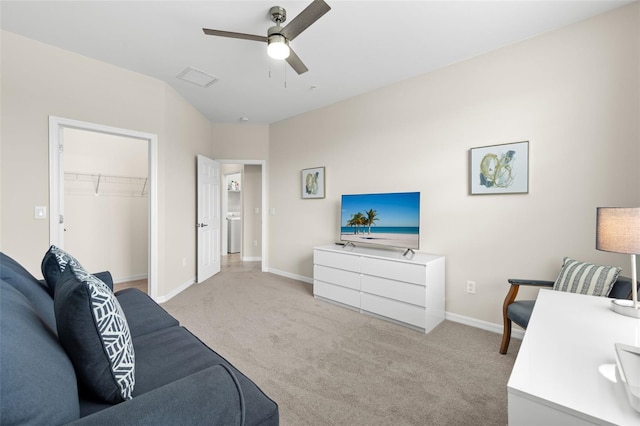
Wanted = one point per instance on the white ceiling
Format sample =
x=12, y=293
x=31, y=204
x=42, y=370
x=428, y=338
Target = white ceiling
x=356, y=47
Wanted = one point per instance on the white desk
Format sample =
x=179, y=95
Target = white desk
x=568, y=349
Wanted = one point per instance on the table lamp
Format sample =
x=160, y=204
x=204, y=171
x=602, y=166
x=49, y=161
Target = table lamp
x=618, y=231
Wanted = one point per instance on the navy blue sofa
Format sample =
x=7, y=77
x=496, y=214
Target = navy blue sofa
x=178, y=379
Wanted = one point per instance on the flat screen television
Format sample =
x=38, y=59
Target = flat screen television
x=389, y=219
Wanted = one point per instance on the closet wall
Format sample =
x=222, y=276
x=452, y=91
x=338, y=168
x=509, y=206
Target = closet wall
x=106, y=203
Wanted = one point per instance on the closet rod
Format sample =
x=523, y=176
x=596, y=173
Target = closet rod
x=93, y=176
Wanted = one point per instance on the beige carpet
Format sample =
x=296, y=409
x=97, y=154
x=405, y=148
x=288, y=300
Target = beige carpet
x=327, y=365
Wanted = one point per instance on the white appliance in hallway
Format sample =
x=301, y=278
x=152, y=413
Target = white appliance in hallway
x=234, y=215
x=234, y=226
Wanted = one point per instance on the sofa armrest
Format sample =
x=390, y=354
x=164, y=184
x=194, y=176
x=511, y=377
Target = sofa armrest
x=209, y=397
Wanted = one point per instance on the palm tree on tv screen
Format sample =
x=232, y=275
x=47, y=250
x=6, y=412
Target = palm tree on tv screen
x=371, y=218
x=357, y=220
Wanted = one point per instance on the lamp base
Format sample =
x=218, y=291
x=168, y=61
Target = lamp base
x=625, y=307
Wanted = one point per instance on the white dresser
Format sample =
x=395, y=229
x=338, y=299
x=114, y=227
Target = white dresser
x=408, y=289
x=564, y=373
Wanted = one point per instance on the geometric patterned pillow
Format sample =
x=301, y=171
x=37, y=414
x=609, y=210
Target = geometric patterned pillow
x=95, y=334
x=586, y=278
x=53, y=264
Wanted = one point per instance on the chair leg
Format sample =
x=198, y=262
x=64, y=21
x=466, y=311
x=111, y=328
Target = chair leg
x=506, y=336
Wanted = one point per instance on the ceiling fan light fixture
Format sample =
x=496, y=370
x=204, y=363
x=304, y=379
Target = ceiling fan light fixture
x=278, y=46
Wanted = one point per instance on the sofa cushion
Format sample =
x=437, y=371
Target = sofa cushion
x=586, y=278
x=209, y=397
x=143, y=314
x=94, y=331
x=172, y=353
x=38, y=381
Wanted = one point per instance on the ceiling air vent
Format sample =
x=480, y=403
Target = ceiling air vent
x=198, y=77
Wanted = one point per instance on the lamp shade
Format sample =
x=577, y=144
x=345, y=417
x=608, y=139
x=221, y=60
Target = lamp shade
x=618, y=229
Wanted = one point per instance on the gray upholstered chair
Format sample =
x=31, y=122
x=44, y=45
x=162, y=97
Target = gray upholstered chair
x=520, y=311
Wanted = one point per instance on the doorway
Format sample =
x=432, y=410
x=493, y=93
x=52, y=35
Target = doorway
x=244, y=202
x=57, y=129
x=106, y=199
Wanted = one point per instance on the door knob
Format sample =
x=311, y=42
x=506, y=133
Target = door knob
x=201, y=225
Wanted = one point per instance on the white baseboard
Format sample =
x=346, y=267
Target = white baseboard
x=175, y=292
x=473, y=322
x=131, y=278
x=485, y=325
x=290, y=275
x=251, y=259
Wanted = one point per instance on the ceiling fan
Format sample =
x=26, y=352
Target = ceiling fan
x=278, y=37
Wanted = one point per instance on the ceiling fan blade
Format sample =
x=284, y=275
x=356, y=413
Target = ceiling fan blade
x=308, y=16
x=296, y=63
x=234, y=35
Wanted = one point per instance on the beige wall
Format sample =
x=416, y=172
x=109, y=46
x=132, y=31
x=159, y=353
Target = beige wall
x=252, y=199
x=81, y=88
x=573, y=93
x=240, y=141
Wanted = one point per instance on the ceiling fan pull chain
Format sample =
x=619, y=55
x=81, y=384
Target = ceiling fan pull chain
x=285, y=77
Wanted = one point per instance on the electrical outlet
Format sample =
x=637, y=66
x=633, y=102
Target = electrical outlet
x=471, y=287
x=255, y=243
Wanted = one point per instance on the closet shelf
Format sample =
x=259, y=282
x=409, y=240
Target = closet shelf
x=98, y=184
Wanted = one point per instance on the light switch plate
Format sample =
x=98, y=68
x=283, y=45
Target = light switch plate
x=40, y=212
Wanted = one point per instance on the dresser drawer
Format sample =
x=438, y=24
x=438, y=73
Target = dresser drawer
x=339, y=294
x=405, y=292
x=399, y=271
x=337, y=276
x=337, y=260
x=394, y=309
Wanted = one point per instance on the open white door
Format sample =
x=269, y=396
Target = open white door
x=208, y=221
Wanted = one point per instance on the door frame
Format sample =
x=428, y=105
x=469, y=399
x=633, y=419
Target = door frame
x=56, y=180
x=263, y=213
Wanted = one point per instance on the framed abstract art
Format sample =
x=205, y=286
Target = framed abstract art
x=499, y=169
x=313, y=182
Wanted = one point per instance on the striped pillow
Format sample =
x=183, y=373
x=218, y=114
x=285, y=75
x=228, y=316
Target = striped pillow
x=586, y=278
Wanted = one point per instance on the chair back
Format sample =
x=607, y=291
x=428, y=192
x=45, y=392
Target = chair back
x=621, y=288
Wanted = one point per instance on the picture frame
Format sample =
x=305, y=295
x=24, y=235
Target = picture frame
x=499, y=169
x=313, y=183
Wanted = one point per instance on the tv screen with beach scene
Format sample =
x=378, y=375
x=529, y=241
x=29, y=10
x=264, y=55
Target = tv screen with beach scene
x=389, y=219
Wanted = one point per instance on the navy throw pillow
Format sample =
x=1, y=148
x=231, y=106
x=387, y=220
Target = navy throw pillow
x=95, y=334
